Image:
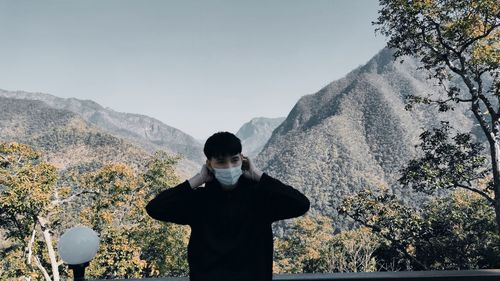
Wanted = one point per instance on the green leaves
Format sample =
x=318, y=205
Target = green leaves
x=452, y=39
x=160, y=172
x=457, y=231
x=442, y=32
x=449, y=160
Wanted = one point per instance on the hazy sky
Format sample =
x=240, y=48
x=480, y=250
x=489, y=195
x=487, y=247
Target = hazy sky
x=199, y=66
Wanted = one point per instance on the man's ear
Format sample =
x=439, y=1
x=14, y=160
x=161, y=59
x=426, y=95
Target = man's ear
x=209, y=166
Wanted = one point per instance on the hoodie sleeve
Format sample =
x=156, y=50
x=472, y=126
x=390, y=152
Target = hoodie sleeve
x=174, y=204
x=282, y=201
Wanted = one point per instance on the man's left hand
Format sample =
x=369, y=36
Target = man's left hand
x=249, y=169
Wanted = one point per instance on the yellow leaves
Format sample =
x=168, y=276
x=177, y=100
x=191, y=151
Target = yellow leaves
x=13, y=265
x=107, y=217
x=410, y=249
x=85, y=215
x=375, y=218
x=18, y=151
x=427, y=7
x=112, y=203
x=118, y=256
x=487, y=50
x=114, y=178
x=29, y=183
x=120, y=193
x=308, y=242
x=312, y=247
x=352, y=250
x=447, y=33
x=64, y=191
x=284, y=266
x=160, y=173
x=137, y=246
x=492, y=5
x=421, y=4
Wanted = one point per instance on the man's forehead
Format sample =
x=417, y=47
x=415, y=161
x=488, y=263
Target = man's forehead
x=222, y=157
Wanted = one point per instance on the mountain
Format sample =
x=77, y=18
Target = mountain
x=354, y=133
x=255, y=133
x=146, y=132
x=66, y=140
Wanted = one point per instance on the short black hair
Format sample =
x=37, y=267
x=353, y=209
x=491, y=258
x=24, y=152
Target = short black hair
x=222, y=144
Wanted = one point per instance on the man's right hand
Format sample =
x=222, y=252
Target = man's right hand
x=205, y=175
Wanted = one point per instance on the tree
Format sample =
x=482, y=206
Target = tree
x=399, y=227
x=164, y=245
x=34, y=206
x=133, y=245
x=462, y=233
x=310, y=246
x=29, y=207
x=114, y=213
x=456, y=231
x=450, y=159
x=305, y=248
x=353, y=251
x=454, y=40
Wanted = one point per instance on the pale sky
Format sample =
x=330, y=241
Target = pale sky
x=199, y=66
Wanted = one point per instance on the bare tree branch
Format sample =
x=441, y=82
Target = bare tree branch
x=399, y=246
x=50, y=248
x=42, y=269
x=440, y=36
x=72, y=197
x=480, y=192
x=30, y=246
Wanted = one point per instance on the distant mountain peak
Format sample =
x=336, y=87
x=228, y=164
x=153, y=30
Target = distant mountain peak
x=353, y=133
x=255, y=133
x=146, y=132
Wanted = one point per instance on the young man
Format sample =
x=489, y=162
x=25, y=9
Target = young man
x=231, y=216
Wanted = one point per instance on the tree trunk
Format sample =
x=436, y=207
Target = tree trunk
x=52, y=254
x=495, y=159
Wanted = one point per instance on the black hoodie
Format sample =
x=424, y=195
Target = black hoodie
x=231, y=236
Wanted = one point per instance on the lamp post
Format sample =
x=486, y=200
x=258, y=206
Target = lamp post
x=77, y=246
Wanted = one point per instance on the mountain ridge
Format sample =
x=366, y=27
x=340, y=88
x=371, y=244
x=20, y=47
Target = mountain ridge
x=255, y=133
x=146, y=132
x=358, y=137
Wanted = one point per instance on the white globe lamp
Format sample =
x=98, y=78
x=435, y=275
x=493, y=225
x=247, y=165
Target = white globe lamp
x=77, y=246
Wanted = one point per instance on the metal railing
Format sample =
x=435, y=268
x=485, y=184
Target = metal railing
x=459, y=275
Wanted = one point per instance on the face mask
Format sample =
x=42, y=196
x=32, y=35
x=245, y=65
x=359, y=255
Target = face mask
x=228, y=177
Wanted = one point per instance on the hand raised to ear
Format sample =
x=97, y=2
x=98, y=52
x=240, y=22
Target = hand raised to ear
x=205, y=175
x=249, y=169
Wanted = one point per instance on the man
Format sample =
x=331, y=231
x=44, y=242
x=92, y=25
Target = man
x=231, y=216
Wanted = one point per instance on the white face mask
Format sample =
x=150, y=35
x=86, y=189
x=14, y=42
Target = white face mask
x=228, y=177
